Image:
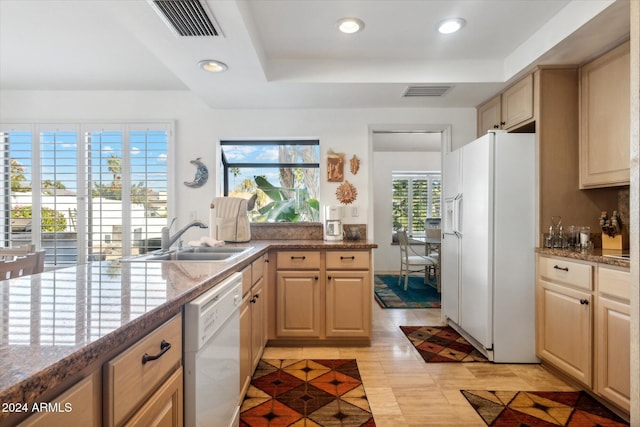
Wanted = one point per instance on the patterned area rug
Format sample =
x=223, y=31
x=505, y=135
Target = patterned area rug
x=441, y=344
x=306, y=393
x=418, y=295
x=541, y=408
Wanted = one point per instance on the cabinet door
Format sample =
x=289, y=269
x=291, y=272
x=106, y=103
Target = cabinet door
x=78, y=406
x=565, y=335
x=298, y=296
x=245, y=343
x=613, y=363
x=517, y=103
x=489, y=116
x=258, y=322
x=604, y=120
x=164, y=407
x=348, y=304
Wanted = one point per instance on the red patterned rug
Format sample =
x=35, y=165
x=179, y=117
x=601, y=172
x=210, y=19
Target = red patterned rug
x=541, y=408
x=441, y=344
x=311, y=393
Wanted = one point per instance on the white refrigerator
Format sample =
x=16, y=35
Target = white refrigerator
x=488, y=258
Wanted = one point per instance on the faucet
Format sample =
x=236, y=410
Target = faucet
x=168, y=240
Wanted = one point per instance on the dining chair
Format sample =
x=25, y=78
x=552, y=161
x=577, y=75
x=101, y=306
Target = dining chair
x=21, y=266
x=411, y=261
x=433, y=243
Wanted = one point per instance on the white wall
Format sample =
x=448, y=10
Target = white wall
x=199, y=128
x=387, y=256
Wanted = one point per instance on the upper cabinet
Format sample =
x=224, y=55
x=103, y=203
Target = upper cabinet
x=509, y=110
x=604, y=120
x=489, y=115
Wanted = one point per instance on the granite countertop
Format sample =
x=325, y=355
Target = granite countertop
x=56, y=324
x=609, y=257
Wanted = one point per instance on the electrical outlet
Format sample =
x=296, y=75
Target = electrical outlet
x=354, y=211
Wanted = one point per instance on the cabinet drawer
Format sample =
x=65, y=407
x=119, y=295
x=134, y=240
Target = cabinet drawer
x=298, y=260
x=568, y=272
x=129, y=381
x=257, y=269
x=614, y=282
x=340, y=260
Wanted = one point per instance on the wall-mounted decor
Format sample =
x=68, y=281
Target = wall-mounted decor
x=335, y=166
x=346, y=193
x=354, y=164
x=202, y=174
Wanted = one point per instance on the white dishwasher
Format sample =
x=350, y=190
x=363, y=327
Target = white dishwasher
x=212, y=356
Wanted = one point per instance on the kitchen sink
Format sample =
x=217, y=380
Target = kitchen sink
x=207, y=254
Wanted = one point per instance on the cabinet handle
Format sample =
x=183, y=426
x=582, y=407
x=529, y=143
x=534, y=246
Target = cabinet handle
x=496, y=126
x=348, y=257
x=266, y=260
x=256, y=296
x=584, y=301
x=503, y=123
x=329, y=277
x=164, y=347
x=561, y=268
x=316, y=278
x=298, y=257
x=253, y=300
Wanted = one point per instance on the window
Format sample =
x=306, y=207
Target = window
x=96, y=191
x=285, y=176
x=415, y=197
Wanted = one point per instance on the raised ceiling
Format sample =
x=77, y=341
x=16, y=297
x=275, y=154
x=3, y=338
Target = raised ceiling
x=289, y=54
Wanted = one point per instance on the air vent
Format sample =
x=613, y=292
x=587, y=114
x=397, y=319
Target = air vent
x=430, y=91
x=187, y=18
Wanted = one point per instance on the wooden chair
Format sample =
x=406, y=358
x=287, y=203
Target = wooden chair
x=411, y=261
x=10, y=254
x=434, y=236
x=21, y=266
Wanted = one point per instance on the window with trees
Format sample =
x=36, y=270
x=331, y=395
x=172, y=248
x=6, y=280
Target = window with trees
x=284, y=174
x=415, y=197
x=84, y=191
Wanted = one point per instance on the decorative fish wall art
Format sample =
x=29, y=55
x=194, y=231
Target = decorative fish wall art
x=202, y=174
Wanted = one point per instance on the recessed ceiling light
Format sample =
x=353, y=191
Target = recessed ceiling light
x=449, y=26
x=350, y=25
x=213, y=66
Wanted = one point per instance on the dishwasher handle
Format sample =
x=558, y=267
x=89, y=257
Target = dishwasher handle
x=164, y=347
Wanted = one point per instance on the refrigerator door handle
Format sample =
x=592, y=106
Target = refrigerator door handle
x=457, y=211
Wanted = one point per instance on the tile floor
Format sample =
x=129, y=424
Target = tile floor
x=405, y=391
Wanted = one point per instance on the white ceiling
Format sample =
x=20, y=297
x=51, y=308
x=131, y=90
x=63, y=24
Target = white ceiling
x=289, y=54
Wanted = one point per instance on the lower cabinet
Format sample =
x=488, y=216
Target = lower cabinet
x=78, y=406
x=565, y=319
x=253, y=321
x=613, y=327
x=298, y=304
x=348, y=304
x=164, y=407
x=583, y=324
x=143, y=390
x=324, y=295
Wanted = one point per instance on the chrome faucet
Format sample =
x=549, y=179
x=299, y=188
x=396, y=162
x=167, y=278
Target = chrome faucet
x=168, y=240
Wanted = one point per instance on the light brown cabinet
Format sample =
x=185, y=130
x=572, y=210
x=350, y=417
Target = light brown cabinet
x=604, y=120
x=323, y=295
x=564, y=317
x=583, y=324
x=253, y=320
x=137, y=387
x=78, y=406
x=490, y=115
x=509, y=110
x=348, y=300
x=613, y=324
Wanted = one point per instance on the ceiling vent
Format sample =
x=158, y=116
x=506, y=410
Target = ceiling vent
x=428, y=91
x=187, y=18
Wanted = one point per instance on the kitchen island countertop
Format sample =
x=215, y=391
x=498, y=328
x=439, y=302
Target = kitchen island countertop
x=58, y=325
